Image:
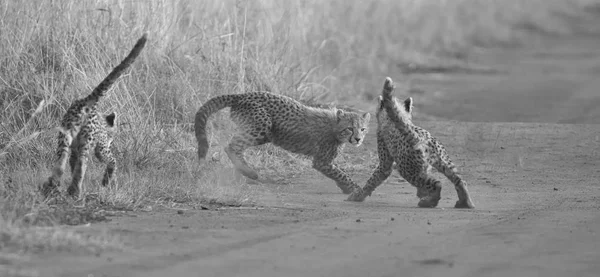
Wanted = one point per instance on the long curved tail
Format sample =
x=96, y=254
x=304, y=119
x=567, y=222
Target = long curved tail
x=210, y=107
x=390, y=105
x=101, y=89
x=402, y=121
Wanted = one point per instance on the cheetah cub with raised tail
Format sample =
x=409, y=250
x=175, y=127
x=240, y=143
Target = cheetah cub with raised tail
x=264, y=117
x=83, y=128
x=414, y=151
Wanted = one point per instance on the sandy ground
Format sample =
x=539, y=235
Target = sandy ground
x=535, y=187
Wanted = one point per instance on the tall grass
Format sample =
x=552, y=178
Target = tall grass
x=52, y=52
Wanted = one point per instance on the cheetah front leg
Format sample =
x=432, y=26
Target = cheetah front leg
x=324, y=164
x=464, y=200
x=381, y=173
x=341, y=179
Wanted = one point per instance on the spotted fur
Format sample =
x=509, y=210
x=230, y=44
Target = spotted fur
x=83, y=128
x=414, y=151
x=264, y=117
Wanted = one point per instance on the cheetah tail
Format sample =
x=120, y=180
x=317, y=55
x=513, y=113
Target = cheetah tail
x=210, y=107
x=400, y=117
x=101, y=89
x=388, y=88
x=390, y=105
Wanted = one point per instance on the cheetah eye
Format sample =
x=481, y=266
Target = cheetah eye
x=362, y=129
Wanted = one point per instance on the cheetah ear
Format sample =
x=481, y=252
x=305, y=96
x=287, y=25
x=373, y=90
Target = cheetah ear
x=366, y=117
x=339, y=114
x=110, y=119
x=379, y=102
x=408, y=105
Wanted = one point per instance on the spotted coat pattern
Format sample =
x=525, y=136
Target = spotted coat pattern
x=413, y=150
x=84, y=128
x=264, y=117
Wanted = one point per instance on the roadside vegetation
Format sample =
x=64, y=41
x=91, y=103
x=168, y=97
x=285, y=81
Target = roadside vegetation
x=52, y=52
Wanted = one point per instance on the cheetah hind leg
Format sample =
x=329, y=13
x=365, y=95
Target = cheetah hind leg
x=431, y=190
x=239, y=143
x=104, y=155
x=464, y=200
x=421, y=192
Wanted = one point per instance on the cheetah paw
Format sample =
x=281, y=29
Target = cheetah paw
x=346, y=190
x=357, y=196
x=421, y=193
x=464, y=205
x=428, y=202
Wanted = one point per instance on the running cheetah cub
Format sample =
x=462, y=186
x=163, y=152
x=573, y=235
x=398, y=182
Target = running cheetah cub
x=414, y=151
x=264, y=117
x=83, y=128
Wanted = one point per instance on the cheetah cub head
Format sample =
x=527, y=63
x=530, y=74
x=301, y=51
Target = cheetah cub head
x=403, y=109
x=352, y=127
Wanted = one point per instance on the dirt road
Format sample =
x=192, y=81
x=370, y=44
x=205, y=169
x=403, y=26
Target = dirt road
x=535, y=188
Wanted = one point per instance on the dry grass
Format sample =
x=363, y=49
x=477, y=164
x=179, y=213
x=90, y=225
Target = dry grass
x=52, y=52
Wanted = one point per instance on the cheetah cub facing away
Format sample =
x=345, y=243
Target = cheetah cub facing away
x=83, y=128
x=414, y=151
x=264, y=117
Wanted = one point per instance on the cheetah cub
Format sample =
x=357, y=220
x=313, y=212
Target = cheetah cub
x=83, y=128
x=414, y=151
x=264, y=117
